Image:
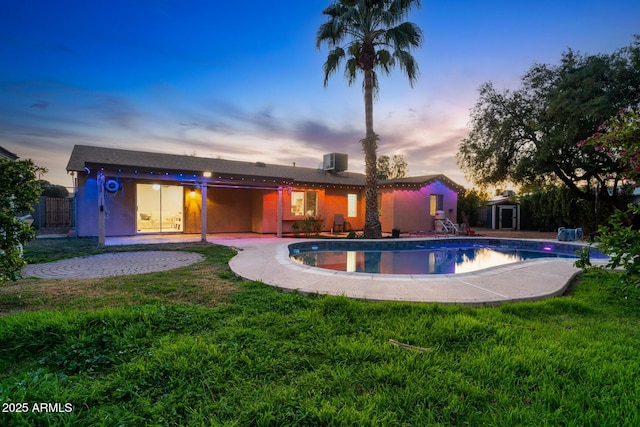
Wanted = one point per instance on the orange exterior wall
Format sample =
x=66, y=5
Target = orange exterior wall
x=264, y=212
x=228, y=210
x=336, y=202
x=386, y=204
x=331, y=201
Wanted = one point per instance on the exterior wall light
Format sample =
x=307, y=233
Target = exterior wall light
x=206, y=174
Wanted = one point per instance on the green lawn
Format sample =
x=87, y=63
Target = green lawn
x=197, y=346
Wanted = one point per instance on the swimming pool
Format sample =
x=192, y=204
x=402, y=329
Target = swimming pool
x=433, y=256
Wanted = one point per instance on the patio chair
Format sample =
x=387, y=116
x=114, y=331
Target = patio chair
x=339, y=222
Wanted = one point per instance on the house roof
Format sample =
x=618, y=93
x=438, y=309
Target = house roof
x=159, y=163
x=423, y=180
x=501, y=200
x=6, y=154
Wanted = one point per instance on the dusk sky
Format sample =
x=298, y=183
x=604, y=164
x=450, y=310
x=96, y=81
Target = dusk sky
x=244, y=81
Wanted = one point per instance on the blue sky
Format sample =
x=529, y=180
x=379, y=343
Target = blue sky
x=243, y=80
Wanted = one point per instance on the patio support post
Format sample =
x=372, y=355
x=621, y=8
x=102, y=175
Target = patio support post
x=101, y=226
x=279, y=213
x=203, y=213
x=101, y=211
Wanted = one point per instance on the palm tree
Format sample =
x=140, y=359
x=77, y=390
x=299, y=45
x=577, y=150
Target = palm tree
x=374, y=38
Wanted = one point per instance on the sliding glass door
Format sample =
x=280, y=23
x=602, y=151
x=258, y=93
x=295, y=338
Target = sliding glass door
x=159, y=208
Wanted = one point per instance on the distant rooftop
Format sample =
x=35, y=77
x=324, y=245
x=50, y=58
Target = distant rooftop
x=6, y=154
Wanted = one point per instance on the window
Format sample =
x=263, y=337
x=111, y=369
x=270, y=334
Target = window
x=352, y=205
x=297, y=203
x=304, y=203
x=436, y=203
x=311, y=204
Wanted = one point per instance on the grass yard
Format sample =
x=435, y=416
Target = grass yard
x=197, y=346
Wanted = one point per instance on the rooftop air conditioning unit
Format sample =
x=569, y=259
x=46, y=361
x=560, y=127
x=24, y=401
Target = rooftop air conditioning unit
x=335, y=162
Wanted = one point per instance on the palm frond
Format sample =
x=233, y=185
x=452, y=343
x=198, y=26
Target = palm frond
x=407, y=64
x=334, y=30
x=404, y=36
x=331, y=32
x=351, y=70
x=333, y=62
x=384, y=60
x=401, y=8
x=354, y=48
x=335, y=9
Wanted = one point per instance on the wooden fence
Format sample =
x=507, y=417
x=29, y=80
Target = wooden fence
x=54, y=212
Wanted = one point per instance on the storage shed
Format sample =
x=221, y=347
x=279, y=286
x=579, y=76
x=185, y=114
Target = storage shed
x=502, y=214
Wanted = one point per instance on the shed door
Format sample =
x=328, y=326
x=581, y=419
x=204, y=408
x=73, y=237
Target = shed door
x=507, y=216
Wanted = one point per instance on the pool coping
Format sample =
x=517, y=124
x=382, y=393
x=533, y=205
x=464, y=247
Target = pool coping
x=268, y=261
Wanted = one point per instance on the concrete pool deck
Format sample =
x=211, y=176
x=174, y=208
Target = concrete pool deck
x=268, y=261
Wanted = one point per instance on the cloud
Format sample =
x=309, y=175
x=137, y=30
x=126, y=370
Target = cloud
x=436, y=150
x=266, y=123
x=222, y=128
x=427, y=137
x=42, y=133
x=40, y=105
x=322, y=135
x=115, y=110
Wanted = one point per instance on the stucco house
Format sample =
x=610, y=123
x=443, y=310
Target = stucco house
x=125, y=192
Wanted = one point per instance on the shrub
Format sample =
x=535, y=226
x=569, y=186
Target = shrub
x=552, y=207
x=621, y=241
x=295, y=228
x=311, y=226
x=19, y=189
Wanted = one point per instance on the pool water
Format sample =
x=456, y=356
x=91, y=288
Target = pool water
x=424, y=258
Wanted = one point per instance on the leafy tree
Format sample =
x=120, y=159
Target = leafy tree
x=530, y=135
x=619, y=138
x=51, y=190
x=388, y=168
x=621, y=241
x=369, y=36
x=468, y=204
x=19, y=189
x=550, y=207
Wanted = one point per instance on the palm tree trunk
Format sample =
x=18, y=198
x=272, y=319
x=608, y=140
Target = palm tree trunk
x=372, y=226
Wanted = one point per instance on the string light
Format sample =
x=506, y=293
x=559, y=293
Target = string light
x=428, y=181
